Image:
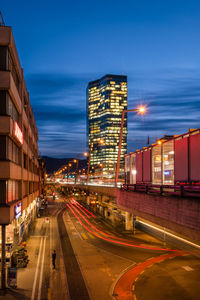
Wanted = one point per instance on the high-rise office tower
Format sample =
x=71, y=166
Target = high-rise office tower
x=106, y=99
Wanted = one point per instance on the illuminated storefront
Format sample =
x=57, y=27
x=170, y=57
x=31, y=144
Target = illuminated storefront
x=106, y=99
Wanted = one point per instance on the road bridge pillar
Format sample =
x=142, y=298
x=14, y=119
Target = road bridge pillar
x=99, y=199
x=128, y=221
x=88, y=200
x=113, y=219
x=106, y=212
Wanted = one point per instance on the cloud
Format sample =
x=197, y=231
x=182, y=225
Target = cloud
x=59, y=104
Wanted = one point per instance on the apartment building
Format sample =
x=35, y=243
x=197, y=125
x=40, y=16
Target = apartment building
x=19, y=180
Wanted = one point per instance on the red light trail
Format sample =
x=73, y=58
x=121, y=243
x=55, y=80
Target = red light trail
x=111, y=240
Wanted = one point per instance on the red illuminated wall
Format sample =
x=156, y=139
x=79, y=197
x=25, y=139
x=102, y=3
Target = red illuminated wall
x=181, y=215
x=195, y=157
x=181, y=160
x=147, y=166
x=139, y=167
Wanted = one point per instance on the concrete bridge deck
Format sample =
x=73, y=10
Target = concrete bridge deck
x=179, y=214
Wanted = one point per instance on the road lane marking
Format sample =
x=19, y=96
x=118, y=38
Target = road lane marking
x=84, y=236
x=187, y=268
x=91, y=235
x=41, y=271
x=36, y=273
x=38, y=236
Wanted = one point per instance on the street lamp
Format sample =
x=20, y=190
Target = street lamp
x=140, y=110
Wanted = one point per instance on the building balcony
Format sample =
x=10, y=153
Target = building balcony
x=7, y=83
x=10, y=170
x=6, y=125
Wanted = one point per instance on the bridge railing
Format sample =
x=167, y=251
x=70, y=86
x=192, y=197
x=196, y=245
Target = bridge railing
x=174, y=190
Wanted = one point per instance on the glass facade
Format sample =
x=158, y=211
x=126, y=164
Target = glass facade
x=127, y=169
x=133, y=169
x=163, y=163
x=157, y=164
x=168, y=162
x=106, y=99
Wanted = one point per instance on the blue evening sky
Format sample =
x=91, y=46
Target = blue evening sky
x=63, y=45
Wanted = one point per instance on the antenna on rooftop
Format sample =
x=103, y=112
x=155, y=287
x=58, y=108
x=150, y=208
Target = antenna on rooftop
x=1, y=20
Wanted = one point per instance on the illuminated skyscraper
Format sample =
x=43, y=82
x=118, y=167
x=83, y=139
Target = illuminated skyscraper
x=106, y=99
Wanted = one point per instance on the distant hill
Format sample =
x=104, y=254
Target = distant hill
x=53, y=164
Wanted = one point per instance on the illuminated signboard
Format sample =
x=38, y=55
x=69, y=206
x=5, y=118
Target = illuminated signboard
x=18, y=133
x=18, y=210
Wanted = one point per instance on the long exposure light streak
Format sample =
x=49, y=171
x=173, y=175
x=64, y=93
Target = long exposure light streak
x=106, y=234
x=75, y=203
x=114, y=241
x=86, y=210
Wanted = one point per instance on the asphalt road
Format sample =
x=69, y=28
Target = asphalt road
x=76, y=285
x=92, y=258
x=105, y=261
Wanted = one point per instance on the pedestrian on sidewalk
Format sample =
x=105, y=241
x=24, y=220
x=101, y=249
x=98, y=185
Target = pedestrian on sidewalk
x=54, y=259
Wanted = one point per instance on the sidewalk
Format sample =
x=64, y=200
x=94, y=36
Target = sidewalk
x=54, y=284
x=25, y=275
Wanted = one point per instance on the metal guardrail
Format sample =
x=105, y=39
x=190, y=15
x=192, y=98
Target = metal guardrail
x=174, y=190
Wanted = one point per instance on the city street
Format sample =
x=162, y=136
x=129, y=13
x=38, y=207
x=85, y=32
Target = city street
x=95, y=262
x=99, y=150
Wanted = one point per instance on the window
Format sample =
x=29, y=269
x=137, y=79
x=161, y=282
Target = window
x=127, y=169
x=3, y=103
x=12, y=190
x=3, y=191
x=11, y=109
x=163, y=163
x=3, y=58
x=156, y=165
x=13, y=70
x=26, y=188
x=168, y=162
x=133, y=169
x=7, y=107
x=13, y=151
x=3, y=147
x=25, y=161
x=9, y=150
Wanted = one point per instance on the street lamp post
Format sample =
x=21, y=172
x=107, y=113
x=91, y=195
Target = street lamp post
x=89, y=159
x=141, y=110
x=76, y=161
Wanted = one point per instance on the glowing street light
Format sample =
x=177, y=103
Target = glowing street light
x=140, y=110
